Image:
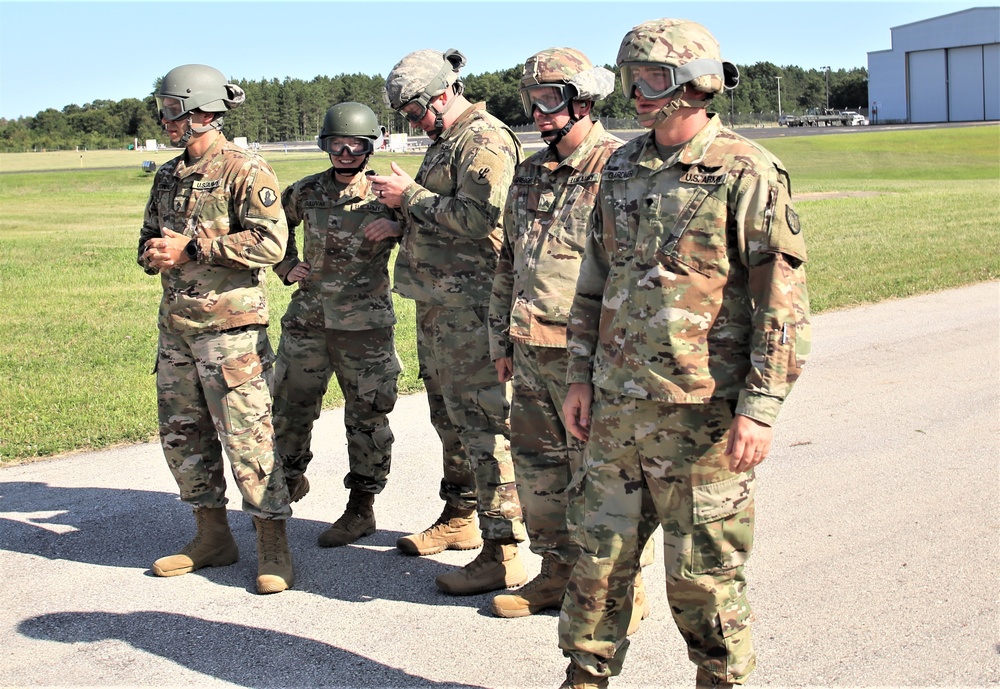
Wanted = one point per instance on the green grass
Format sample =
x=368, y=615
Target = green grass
x=80, y=317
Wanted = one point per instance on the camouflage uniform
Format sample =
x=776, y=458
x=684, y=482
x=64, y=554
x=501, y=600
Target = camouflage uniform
x=545, y=226
x=451, y=222
x=339, y=321
x=691, y=307
x=213, y=370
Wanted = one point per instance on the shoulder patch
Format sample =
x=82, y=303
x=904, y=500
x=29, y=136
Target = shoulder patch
x=267, y=196
x=792, y=218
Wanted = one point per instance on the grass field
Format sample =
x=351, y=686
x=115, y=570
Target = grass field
x=80, y=317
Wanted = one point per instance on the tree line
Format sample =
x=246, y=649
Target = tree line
x=293, y=109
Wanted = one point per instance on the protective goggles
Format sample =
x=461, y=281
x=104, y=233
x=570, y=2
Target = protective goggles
x=413, y=111
x=652, y=80
x=349, y=145
x=170, y=108
x=548, y=98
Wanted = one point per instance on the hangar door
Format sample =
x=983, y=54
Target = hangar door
x=991, y=80
x=965, y=84
x=926, y=78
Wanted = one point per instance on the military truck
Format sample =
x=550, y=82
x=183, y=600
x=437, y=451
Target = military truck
x=819, y=117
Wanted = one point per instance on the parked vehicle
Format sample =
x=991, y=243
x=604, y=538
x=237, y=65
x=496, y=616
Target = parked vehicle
x=854, y=119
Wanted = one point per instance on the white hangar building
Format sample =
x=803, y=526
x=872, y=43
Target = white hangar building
x=943, y=69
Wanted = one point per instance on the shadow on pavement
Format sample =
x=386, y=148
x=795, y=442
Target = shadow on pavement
x=242, y=655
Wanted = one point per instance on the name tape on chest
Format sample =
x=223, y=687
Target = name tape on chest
x=619, y=174
x=711, y=179
x=583, y=179
x=207, y=184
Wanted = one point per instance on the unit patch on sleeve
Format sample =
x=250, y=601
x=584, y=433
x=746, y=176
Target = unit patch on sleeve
x=267, y=196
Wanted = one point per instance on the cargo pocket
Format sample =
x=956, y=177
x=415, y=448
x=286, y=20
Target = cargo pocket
x=722, y=534
x=247, y=397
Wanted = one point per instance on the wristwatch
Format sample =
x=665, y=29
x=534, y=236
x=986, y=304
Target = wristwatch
x=191, y=249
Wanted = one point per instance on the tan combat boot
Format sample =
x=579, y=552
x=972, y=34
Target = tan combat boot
x=274, y=562
x=706, y=680
x=544, y=592
x=497, y=566
x=357, y=521
x=578, y=678
x=297, y=488
x=455, y=529
x=640, y=605
x=212, y=546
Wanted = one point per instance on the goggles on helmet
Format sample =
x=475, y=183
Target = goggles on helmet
x=548, y=98
x=351, y=145
x=170, y=108
x=413, y=110
x=652, y=80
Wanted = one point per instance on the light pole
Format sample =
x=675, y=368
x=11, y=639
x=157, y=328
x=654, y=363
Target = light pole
x=827, y=68
x=779, y=96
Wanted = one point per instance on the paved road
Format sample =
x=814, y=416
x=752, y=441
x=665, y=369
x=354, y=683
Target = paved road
x=876, y=563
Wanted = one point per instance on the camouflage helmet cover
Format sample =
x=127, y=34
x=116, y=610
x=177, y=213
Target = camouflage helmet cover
x=350, y=119
x=568, y=66
x=200, y=87
x=422, y=75
x=678, y=42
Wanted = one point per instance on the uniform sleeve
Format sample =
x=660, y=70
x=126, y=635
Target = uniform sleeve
x=290, y=204
x=583, y=326
x=774, y=252
x=484, y=175
x=261, y=236
x=150, y=229
x=503, y=289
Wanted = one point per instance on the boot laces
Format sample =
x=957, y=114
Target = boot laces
x=269, y=545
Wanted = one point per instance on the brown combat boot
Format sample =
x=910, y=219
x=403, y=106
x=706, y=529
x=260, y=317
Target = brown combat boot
x=297, y=488
x=455, y=529
x=357, y=521
x=640, y=605
x=706, y=680
x=497, y=566
x=212, y=546
x=578, y=678
x=274, y=562
x=544, y=592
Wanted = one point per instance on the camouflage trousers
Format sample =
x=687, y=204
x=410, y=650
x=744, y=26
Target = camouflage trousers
x=469, y=411
x=366, y=367
x=213, y=392
x=546, y=456
x=650, y=463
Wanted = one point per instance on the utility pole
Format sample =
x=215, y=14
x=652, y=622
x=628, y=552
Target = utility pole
x=779, y=95
x=827, y=68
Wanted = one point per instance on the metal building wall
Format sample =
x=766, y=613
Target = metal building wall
x=926, y=74
x=991, y=81
x=965, y=84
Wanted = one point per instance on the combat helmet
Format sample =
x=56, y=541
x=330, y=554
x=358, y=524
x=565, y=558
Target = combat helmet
x=685, y=52
x=420, y=77
x=196, y=87
x=354, y=126
x=553, y=78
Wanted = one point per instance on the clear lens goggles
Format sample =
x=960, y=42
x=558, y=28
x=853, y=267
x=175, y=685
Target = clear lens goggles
x=548, y=98
x=170, y=108
x=351, y=145
x=652, y=80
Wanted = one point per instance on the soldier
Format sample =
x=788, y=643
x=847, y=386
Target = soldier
x=451, y=224
x=688, y=329
x=212, y=225
x=340, y=320
x=546, y=220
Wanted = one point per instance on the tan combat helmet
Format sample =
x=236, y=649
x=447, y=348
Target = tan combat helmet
x=687, y=54
x=420, y=77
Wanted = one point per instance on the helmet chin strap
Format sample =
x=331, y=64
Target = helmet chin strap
x=552, y=138
x=656, y=119
x=351, y=171
x=191, y=130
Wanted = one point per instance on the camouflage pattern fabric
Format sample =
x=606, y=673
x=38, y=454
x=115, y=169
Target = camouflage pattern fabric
x=673, y=42
x=227, y=202
x=339, y=322
x=348, y=284
x=452, y=212
x=693, y=285
x=569, y=66
x=650, y=463
x=546, y=222
x=469, y=411
x=212, y=387
x=214, y=362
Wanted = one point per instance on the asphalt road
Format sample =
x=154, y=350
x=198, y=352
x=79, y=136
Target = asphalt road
x=876, y=559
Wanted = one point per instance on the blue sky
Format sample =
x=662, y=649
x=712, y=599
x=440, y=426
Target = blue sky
x=56, y=53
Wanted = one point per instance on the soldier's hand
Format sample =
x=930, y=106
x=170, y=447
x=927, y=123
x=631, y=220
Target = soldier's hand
x=390, y=188
x=166, y=252
x=299, y=272
x=749, y=443
x=505, y=369
x=380, y=229
x=576, y=410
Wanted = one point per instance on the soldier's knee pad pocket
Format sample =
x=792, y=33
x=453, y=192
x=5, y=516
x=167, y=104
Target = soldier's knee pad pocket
x=722, y=518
